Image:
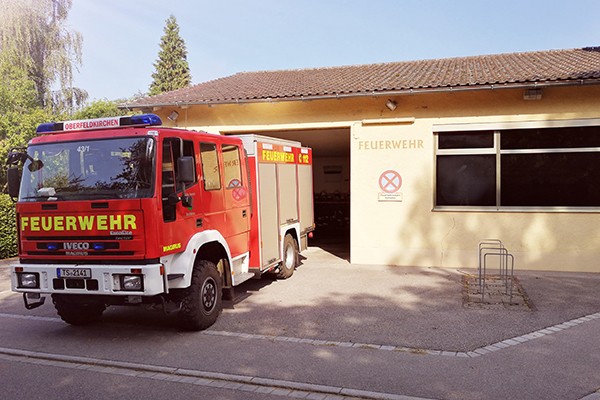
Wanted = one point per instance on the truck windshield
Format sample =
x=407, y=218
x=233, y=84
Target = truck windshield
x=89, y=170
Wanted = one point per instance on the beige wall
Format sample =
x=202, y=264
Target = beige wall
x=406, y=230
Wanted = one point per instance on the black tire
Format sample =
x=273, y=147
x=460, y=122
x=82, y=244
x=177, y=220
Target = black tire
x=76, y=312
x=290, y=257
x=201, y=304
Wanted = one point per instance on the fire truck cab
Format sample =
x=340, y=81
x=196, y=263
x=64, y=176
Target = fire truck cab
x=122, y=211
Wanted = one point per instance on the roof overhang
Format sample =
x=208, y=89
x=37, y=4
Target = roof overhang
x=375, y=93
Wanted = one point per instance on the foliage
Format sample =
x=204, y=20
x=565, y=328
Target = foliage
x=37, y=57
x=8, y=227
x=171, y=69
x=100, y=109
x=36, y=31
x=19, y=113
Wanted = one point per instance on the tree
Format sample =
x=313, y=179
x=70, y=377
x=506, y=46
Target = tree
x=100, y=109
x=36, y=31
x=171, y=69
x=19, y=111
x=19, y=115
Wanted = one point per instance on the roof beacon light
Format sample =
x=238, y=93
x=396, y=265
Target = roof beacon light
x=99, y=123
x=145, y=119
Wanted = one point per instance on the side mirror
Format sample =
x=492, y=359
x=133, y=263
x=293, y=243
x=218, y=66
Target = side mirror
x=13, y=176
x=185, y=169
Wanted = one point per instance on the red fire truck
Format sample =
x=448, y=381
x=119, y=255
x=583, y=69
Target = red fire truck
x=122, y=211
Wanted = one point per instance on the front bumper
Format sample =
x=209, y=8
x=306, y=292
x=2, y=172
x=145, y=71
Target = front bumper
x=103, y=279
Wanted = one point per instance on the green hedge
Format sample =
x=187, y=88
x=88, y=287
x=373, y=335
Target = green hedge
x=8, y=227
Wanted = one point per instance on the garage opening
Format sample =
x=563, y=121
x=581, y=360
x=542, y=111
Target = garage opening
x=331, y=170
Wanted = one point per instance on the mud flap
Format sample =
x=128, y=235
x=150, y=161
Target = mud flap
x=31, y=306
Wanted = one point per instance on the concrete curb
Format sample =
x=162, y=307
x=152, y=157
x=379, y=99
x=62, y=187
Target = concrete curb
x=515, y=341
x=196, y=377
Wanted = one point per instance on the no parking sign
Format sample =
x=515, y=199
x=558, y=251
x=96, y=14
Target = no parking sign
x=390, y=182
x=238, y=192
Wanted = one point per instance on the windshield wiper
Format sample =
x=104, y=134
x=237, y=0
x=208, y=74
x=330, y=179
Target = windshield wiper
x=74, y=195
x=89, y=195
x=42, y=197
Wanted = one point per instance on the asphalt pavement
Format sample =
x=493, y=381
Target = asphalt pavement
x=407, y=331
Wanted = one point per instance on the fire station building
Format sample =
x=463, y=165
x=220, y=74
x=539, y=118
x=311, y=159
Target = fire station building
x=417, y=162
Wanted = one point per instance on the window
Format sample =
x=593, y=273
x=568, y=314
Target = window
x=172, y=149
x=538, y=167
x=231, y=166
x=115, y=168
x=468, y=180
x=210, y=166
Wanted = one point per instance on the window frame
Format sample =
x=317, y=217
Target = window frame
x=205, y=165
x=239, y=176
x=497, y=129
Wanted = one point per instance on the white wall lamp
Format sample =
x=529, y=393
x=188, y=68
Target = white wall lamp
x=391, y=104
x=173, y=116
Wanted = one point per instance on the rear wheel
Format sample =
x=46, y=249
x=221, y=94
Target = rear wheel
x=201, y=303
x=290, y=257
x=74, y=311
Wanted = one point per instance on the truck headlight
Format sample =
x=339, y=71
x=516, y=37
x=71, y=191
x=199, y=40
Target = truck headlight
x=132, y=282
x=29, y=280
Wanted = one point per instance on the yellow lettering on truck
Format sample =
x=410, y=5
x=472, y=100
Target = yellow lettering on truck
x=70, y=223
x=101, y=219
x=114, y=222
x=174, y=246
x=102, y=222
x=35, y=223
x=129, y=221
x=85, y=222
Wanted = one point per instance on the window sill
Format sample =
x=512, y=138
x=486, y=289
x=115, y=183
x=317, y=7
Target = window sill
x=568, y=210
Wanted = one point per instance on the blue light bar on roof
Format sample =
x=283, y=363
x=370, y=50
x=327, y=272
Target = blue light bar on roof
x=146, y=119
x=47, y=127
x=99, y=123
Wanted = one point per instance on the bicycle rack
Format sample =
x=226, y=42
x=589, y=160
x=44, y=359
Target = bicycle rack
x=495, y=247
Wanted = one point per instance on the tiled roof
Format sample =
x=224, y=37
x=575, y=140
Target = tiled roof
x=538, y=67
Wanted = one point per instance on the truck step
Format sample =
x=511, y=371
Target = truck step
x=243, y=277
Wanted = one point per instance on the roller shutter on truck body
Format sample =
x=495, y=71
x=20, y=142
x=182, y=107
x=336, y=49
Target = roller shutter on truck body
x=281, y=174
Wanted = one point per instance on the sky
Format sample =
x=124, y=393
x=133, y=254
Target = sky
x=223, y=37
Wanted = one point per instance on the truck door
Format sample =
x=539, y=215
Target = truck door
x=212, y=189
x=179, y=221
x=236, y=197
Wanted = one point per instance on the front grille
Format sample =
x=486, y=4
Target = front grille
x=62, y=284
x=83, y=246
x=85, y=238
x=89, y=253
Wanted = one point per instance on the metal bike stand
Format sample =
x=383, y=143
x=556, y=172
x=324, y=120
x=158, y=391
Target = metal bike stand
x=495, y=247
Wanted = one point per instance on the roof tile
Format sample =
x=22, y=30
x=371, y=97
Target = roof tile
x=499, y=69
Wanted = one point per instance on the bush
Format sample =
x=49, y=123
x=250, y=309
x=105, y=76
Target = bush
x=8, y=227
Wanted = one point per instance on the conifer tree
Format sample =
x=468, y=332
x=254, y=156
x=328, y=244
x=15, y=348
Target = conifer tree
x=171, y=69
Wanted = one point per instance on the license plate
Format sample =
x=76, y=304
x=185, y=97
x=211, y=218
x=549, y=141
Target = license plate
x=81, y=273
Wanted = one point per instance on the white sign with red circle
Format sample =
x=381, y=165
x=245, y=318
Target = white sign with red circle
x=390, y=183
x=238, y=192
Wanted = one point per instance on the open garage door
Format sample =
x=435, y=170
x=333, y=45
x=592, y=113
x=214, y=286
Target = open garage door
x=331, y=169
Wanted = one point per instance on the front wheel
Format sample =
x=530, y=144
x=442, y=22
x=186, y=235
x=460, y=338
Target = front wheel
x=201, y=303
x=290, y=257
